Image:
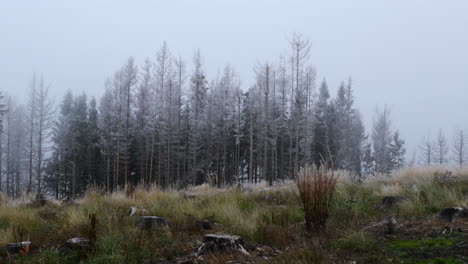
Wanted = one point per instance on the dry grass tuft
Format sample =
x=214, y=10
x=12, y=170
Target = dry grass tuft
x=316, y=189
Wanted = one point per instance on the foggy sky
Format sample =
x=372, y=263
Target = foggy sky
x=410, y=55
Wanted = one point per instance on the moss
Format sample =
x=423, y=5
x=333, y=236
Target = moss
x=424, y=243
x=356, y=242
x=440, y=261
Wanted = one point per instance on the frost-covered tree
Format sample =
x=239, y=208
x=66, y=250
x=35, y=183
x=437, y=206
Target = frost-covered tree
x=459, y=148
x=197, y=105
x=143, y=115
x=441, y=148
x=426, y=150
x=300, y=54
x=129, y=75
x=349, y=131
x=14, y=128
x=108, y=134
x=368, y=160
x=58, y=169
x=397, y=151
x=321, y=133
x=44, y=121
x=381, y=139
x=3, y=111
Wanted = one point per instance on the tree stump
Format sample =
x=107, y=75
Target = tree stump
x=137, y=210
x=204, y=224
x=22, y=248
x=78, y=244
x=450, y=213
x=149, y=222
x=389, y=202
x=221, y=243
x=39, y=201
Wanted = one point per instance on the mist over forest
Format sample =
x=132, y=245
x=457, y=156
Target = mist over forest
x=246, y=132
x=158, y=123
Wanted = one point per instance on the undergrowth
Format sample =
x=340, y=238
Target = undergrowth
x=272, y=216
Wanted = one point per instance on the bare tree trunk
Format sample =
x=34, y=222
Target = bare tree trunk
x=1, y=147
x=31, y=132
x=169, y=127
x=283, y=114
x=73, y=180
x=39, y=144
x=151, y=160
x=117, y=158
x=108, y=172
x=265, y=139
x=296, y=167
x=274, y=151
x=238, y=137
x=291, y=124
x=251, y=148
x=8, y=161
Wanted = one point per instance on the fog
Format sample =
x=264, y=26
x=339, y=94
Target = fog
x=409, y=55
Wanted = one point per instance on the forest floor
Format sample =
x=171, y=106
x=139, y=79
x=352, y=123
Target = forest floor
x=269, y=221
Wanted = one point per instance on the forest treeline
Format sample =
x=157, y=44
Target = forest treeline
x=158, y=123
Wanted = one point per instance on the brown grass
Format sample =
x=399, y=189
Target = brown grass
x=316, y=189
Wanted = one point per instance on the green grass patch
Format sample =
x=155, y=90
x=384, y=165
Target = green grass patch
x=424, y=243
x=440, y=261
x=356, y=242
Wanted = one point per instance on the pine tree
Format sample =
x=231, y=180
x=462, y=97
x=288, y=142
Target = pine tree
x=397, y=151
x=198, y=96
x=368, y=160
x=58, y=173
x=460, y=151
x=441, y=148
x=3, y=111
x=106, y=123
x=44, y=124
x=321, y=147
x=426, y=152
x=381, y=138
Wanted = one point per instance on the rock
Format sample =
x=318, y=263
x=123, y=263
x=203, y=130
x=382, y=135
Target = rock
x=390, y=223
x=221, y=243
x=148, y=222
x=137, y=210
x=22, y=248
x=450, y=213
x=392, y=201
x=78, y=244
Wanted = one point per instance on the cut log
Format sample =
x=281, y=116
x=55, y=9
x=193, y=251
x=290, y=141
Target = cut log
x=22, y=248
x=78, y=244
x=389, y=223
x=221, y=243
x=148, y=222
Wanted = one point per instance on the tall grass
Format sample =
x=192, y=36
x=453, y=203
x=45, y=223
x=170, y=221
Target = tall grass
x=316, y=189
x=258, y=213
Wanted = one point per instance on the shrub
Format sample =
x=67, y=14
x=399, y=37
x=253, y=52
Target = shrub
x=316, y=189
